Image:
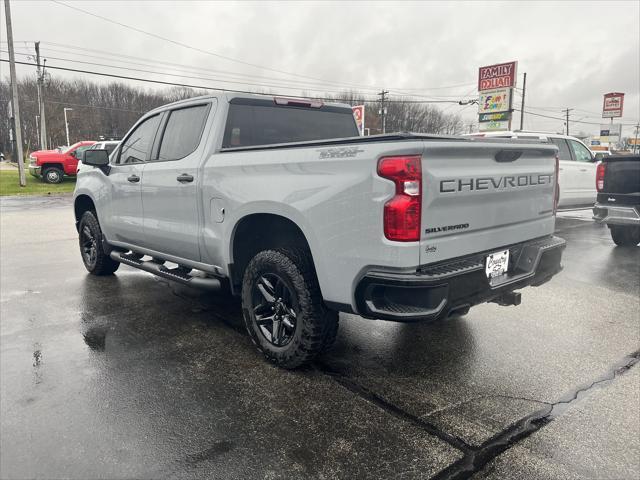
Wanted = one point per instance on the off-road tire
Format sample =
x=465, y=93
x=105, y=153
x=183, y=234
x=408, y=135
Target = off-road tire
x=625, y=235
x=52, y=175
x=316, y=325
x=103, y=263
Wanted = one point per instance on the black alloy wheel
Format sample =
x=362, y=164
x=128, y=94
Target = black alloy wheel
x=282, y=307
x=88, y=247
x=96, y=260
x=274, y=308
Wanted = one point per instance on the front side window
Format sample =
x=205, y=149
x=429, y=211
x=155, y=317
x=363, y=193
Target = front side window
x=561, y=143
x=581, y=152
x=183, y=132
x=135, y=148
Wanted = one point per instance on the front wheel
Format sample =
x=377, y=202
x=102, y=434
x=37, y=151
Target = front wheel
x=283, y=309
x=95, y=259
x=53, y=175
x=625, y=235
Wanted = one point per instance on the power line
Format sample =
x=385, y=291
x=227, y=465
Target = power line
x=562, y=119
x=222, y=80
x=203, y=87
x=86, y=105
x=402, y=90
x=191, y=47
x=154, y=63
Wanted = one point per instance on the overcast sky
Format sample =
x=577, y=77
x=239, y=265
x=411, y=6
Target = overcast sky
x=573, y=52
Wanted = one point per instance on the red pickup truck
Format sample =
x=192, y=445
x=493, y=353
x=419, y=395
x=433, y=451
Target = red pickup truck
x=53, y=165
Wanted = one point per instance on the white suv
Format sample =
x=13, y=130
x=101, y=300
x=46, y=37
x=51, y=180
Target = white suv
x=577, y=165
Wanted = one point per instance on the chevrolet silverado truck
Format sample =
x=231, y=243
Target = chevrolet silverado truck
x=280, y=202
x=53, y=165
x=618, y=205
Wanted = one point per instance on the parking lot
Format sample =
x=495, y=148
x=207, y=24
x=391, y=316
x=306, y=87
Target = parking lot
x=132, y=377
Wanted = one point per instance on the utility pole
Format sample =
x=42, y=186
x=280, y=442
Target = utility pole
x=43, y=120
x=524, y=89
x=14, y=91
x=566, y=111
x=383, y=110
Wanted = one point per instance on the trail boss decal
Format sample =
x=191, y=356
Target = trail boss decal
x=340, y=152
x=494, y=183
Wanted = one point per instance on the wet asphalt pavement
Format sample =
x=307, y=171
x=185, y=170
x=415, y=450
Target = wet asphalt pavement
x=132, y=377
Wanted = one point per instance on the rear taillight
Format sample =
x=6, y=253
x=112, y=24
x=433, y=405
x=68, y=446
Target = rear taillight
x=402, y=213
x=556, y=186
x=602, y=167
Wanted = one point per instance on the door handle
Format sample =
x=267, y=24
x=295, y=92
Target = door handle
x=185, y=178
x=134, y=178
x=583, y=169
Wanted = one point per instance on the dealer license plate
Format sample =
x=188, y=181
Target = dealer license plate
x=497, y=264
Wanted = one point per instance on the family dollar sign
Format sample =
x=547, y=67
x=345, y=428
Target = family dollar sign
x=502, y=75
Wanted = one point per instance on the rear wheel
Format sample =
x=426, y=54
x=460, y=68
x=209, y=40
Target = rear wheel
x=52, y=175
x=625, y=235
x=95, y=259
x=283, y=308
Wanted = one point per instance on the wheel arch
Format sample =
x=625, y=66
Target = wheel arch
x=81, y=204
x=262, y=231
x=48, y=165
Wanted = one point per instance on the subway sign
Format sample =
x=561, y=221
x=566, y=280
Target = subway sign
x=494, y=117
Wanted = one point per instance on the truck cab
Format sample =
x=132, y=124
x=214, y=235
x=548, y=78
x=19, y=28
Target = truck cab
x=53, y=165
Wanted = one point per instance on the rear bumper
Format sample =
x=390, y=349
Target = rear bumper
x=616, y=214
x=34, y=170
x=436, y=291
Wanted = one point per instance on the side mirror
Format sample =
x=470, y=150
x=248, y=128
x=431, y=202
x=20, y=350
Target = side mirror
x=95, y=158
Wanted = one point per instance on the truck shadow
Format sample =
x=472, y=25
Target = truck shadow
x=142, y=309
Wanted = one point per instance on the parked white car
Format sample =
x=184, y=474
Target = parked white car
x=578, y=164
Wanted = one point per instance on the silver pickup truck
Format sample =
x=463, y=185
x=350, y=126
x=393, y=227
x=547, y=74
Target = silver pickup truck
x=280, y=202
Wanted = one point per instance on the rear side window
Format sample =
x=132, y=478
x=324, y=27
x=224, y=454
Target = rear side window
x=135, y=148
x=580, y=151
x=249, y=125
x=183, y=132
x=561, y=143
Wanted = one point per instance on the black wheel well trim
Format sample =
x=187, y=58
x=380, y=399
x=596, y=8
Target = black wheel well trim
x=264, y=241
x=48, y=166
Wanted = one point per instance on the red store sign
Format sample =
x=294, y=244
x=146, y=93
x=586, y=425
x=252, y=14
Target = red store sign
x=501, y=75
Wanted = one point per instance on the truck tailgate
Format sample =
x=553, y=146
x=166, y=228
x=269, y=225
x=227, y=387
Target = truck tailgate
x=621, y=181
x=484, y=195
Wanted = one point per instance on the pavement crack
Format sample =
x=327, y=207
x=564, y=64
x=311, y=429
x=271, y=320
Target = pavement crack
x=478, y=397
x=476, y=459
x=370, y=396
